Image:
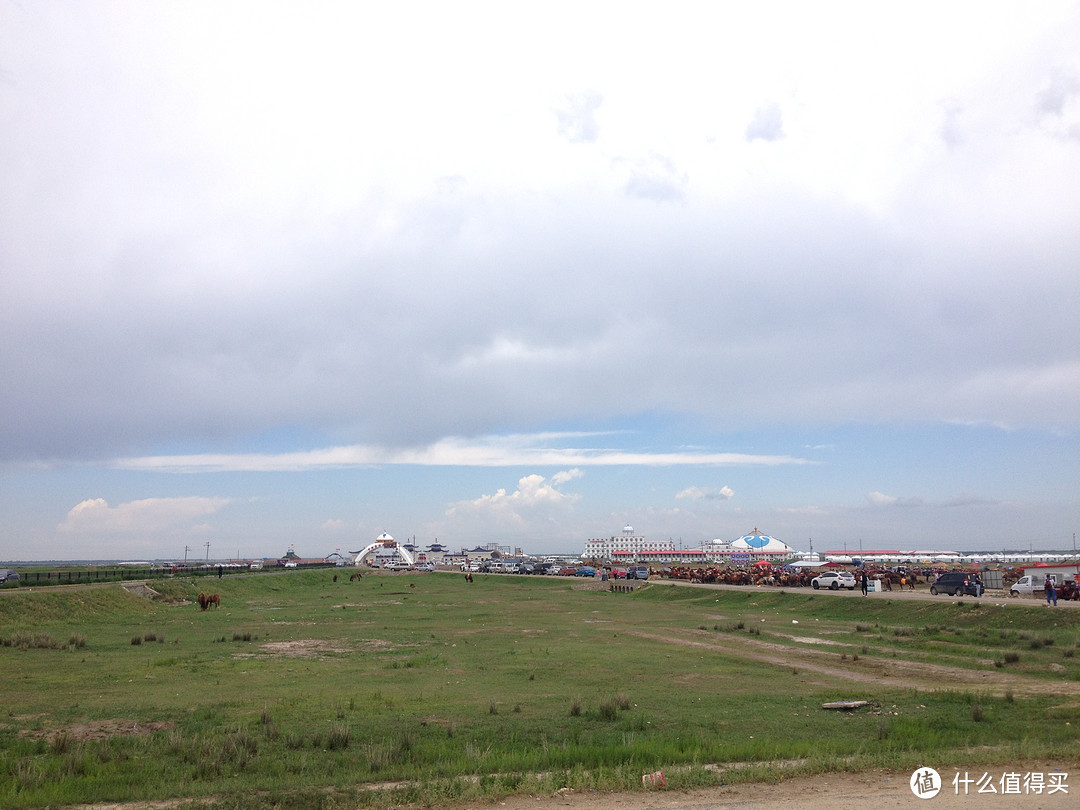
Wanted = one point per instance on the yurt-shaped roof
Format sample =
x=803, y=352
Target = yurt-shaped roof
x=756, y=541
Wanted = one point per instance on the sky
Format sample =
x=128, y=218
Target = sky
x=290, y=275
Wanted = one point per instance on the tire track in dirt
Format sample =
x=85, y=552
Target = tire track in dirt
x=867, y=669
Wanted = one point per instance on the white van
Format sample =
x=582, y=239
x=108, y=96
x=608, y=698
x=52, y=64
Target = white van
x=1032, y=583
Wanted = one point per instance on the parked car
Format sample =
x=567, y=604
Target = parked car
x=7, y=575
x=526, y=568
x=618, y=573
x=585, y=571
x=1032, y=584
x=637, y=572
x=956, y=583
x=834, y=581
x=567, y=571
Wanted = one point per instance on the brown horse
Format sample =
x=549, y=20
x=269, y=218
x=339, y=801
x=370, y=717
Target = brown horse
x=213, y=599
x=202, y=601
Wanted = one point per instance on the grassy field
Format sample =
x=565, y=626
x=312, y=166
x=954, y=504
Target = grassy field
x=303, y=692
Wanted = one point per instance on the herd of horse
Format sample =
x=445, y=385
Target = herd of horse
x=780, y=577
x=206, y=600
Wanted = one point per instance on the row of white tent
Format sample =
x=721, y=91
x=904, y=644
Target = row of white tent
x=943, y=558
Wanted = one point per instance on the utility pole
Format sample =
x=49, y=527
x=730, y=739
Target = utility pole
x=186, y=550
x=208, y=550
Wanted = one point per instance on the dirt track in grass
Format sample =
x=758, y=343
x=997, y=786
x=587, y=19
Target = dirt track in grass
x=867, y=669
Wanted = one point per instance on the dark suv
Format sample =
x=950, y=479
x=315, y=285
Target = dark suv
x=956, y=583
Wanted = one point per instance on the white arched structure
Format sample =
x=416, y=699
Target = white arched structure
x=384, y=540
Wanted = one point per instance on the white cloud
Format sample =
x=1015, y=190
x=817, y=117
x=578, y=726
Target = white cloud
x=706, y=493
x=95, y=516
x=577, y=118
x=490, y=451
x=768, y=124
x=533, y=492
x=566, y=475
x=881, y=499
x=333, y=525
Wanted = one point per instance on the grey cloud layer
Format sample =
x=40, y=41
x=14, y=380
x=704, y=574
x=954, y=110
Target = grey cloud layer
x=158, y=291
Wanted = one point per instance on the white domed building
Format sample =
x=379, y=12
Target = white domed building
x=750, y=548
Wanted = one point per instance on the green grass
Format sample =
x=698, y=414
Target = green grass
x=301, y=692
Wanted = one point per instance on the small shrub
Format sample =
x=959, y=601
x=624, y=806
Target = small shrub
x=608, y=711
x=575, y=708
x=60, y=743
x=622, y=702
x=492, y=708
x=136, y=641
x=1011, y=657
x=977, y=714
x=76, y=641
x=339, y=736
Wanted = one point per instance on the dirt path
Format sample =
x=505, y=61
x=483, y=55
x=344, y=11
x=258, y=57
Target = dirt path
x=910, y=674
x=871, y=789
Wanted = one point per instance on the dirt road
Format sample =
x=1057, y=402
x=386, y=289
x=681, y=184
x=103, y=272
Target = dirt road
x=871, y=789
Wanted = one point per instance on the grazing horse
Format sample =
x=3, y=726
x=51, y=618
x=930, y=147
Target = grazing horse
x=355, y=577
x=213, y=599
x=335, y=577
x=202, y=601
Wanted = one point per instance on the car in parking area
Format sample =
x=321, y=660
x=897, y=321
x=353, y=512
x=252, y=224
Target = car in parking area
x=834, y=581
x=585, y=571
x=637, y=572
x=8, y=575
x=957, y=583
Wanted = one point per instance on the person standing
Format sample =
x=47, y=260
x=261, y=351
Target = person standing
x=1051, y=592
x=862, y=580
